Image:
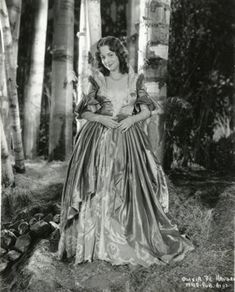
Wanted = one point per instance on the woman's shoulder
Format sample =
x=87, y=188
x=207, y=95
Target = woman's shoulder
x=97, y=78
x=136, y=79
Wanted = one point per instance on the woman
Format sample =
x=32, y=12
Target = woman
x=115, y=195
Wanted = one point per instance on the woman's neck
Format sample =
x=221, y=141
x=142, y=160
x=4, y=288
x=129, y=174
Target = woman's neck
x=115, y=74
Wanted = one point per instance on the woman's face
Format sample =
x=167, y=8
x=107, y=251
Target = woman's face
x=109, y=59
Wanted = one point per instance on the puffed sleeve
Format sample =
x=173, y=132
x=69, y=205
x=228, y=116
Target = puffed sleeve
x=89, y=103
x=142, y=95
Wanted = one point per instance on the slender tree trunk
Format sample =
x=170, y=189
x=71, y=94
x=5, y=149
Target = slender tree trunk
x=61, y=116
x=14, y=12
x=152, y=60
x=94, y=21
x=133, y=15
x=34, y=86
x=83, y=52
x=89, y=34
x=233, y=29
x=4, y=102
x=6, y=172
x=12, y=90
x=1, y=65
x=0, y=163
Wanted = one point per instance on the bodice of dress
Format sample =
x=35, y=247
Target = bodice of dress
x=119, y=101
x=116, y=97
x=117, y=92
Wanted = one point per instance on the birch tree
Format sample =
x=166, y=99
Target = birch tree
x=14, y=12
x=4, y=102
x=133, y=15
x=0, y=161
x=152, y=61
x=7, y=172
x=233, y=30
x=88, y=36
x=34, y=85
x=5, y=167
x=61, y=116
x=12, y=90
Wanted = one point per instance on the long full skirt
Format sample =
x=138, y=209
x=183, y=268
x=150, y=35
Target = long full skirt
x=115, y=201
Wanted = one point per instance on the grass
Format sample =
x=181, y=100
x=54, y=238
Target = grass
x=202, y=205
x=42, y=183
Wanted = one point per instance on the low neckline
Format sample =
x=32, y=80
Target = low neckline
x=118, y=79
x=117, y=92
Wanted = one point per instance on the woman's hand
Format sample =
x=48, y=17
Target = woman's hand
x=125, y=124
x=108, y=121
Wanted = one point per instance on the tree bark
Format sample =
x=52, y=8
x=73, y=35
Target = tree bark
x=89, y=34
x=233, y=30
x=4, y=102
x=14, y=12
x=61, y=116
x=34, y=86
x=0, y=158
x=12, y=90
x=6, y=172
x=83, y=52
x=133, y=15
x=6, y=167
x=152, y=60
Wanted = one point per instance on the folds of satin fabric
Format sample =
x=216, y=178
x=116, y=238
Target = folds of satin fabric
x=115, y=201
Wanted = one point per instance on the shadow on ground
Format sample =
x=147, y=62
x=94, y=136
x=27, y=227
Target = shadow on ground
x=201, y=204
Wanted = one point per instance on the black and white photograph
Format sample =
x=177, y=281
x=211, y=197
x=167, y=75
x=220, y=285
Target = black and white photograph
x=117, y=143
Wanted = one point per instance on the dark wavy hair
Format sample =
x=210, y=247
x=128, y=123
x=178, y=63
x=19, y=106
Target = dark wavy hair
x=116, y=46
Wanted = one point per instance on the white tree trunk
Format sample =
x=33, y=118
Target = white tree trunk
x=233, y=29
x=12, y=90
x=94, y=21
x=0, y=163
x=14, y=12
x=4, y=101
x=143, y=36
x=83, y=45
x=6, y=172
x=133, y=16
x=61, y=116
x=153, y=44
x=34, y=85
x=88, y=36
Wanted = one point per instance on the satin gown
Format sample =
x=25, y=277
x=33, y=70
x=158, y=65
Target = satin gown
x=115, y=196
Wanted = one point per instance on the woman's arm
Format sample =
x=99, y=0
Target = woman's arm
x=142, y=115
x=89, y=106
x=107, y=121
x=125, y=124
x=90, y=116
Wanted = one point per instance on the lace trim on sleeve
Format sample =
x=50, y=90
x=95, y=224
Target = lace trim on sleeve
x=89, y=103
x=142, y=95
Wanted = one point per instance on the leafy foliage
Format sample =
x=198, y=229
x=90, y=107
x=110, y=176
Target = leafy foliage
x=200, y=72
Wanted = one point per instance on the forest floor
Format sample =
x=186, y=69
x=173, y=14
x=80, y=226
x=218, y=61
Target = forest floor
x=202, y=205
